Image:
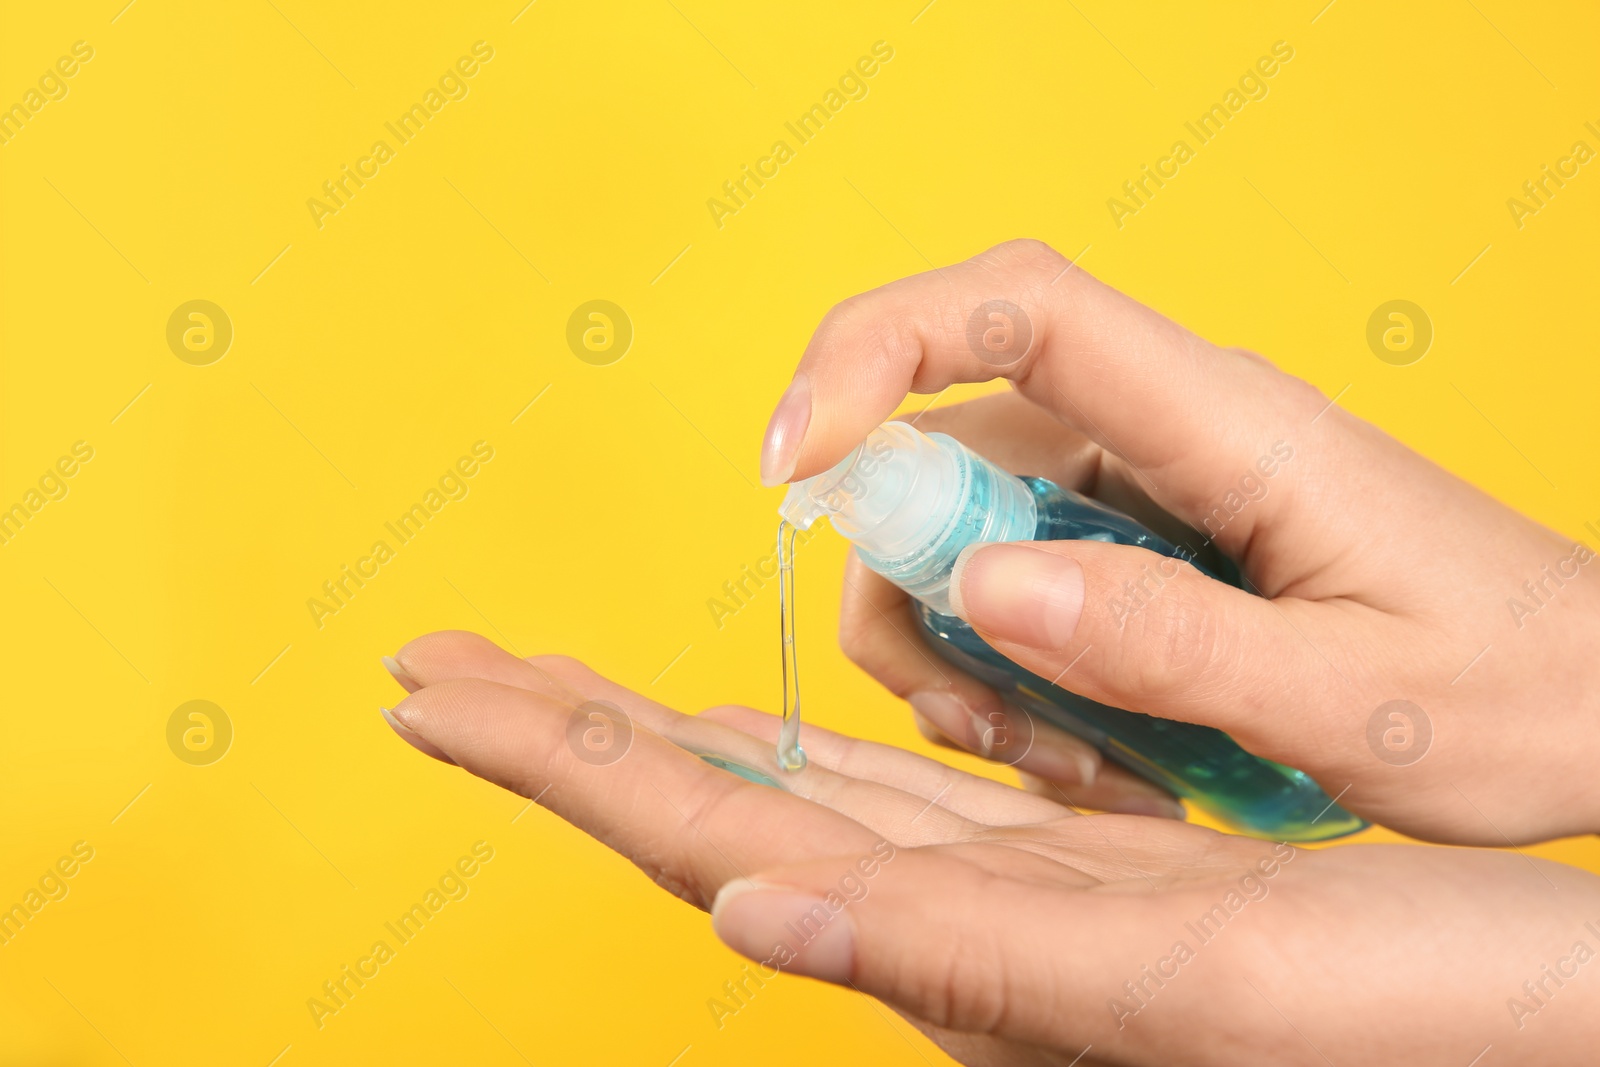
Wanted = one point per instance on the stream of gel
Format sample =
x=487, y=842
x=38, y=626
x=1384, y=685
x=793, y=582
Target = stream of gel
x=791, y=757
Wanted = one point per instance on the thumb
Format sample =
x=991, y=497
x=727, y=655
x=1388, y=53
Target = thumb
x=1145, y=632
x=936, y=936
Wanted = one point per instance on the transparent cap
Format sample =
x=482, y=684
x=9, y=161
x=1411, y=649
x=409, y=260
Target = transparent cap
x=890, y=496
x=910, y=502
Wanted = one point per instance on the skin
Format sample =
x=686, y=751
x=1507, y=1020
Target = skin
x=1007, y=925
x=1383, y=577
x=1004, y=925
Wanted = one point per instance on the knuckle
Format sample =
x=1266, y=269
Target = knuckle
x=967, y=989
x=1026, y=254
x=1286, y=393
x=1301, y=394
x=861, y=620
x=864, y=645
x=853, y=629
x=851, y=318
x=855, y=612
x=873, y=328
x=846, y=312
x=880, y=651
x=1176, y=642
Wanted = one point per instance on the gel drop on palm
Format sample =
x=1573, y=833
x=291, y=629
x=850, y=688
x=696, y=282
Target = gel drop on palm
x=910, y=502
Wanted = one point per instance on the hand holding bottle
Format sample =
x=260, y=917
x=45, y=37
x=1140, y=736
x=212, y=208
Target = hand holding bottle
x=1386, y=627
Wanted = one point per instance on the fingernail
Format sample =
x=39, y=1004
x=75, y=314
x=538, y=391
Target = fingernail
x=392, y=665
x=1061, y=759
x=399, y=727
x=953, y=718
x=1018, y=593
x=414, y=739
x=787, y=428
x=785, y=928
x=931, y=733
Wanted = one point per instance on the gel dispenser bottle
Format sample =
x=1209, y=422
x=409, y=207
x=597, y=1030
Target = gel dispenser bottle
x=910, y=502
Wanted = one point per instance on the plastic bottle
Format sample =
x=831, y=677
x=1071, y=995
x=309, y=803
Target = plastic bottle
x=910, y=502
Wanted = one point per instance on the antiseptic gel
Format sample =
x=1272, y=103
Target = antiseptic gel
x=910, y=502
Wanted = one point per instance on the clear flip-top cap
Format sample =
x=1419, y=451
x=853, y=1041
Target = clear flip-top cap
x=910, y=502
x=890, y=496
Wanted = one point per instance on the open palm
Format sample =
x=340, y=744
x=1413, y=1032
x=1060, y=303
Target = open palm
x=1008, y=927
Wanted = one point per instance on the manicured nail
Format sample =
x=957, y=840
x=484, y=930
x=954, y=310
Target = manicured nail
x=416, y=740
x=952, y=717
x=787, y=428
x=392, y=665
x=792, y=930
x=1061, y=759
x=1018, y=593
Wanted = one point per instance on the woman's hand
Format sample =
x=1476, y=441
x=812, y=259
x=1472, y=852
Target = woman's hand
x=1012, y=930
x=1424, y=652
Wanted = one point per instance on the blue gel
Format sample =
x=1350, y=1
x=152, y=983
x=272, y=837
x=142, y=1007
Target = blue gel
x=747, y=773
x=910, y=502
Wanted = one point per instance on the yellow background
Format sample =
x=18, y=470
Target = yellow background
x=374, y=351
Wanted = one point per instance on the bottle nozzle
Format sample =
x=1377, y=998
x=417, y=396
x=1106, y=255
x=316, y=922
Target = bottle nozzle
x=895, y=481
x=910, y=501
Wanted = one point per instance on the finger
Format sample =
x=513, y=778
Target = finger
x=1038, y=749
x=686, y=824
x=906, y=818
x=1034, y=962
x=1187, y=414
x=1149, y=633
x=879, y=633
x=447, y=655
x=978, y=799
x=1116, y=790
x=415, y=740
x=460, y=655
x=398, y=673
